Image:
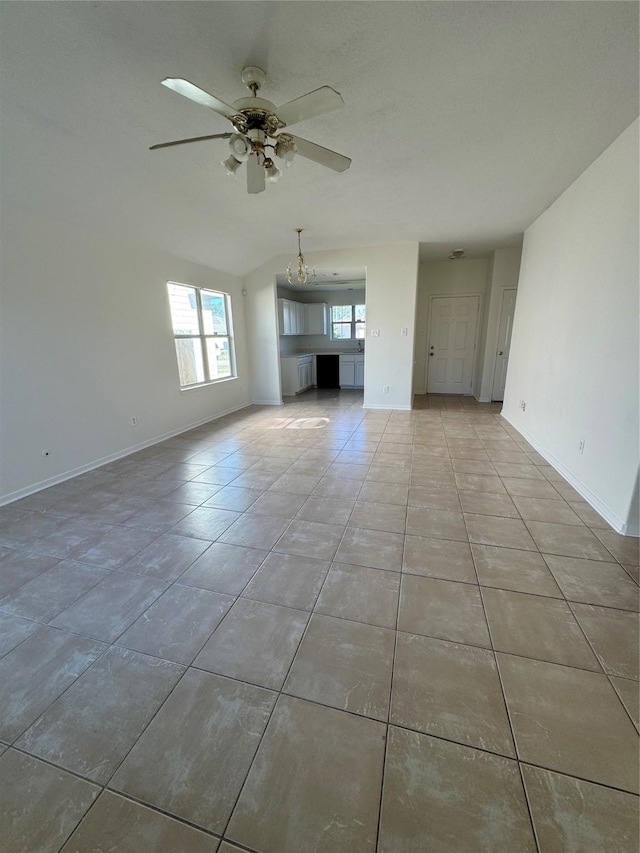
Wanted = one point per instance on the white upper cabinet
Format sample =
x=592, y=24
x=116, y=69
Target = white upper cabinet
x=316, y=318
x=300, y=312
x=284, y=317
x=299, y=318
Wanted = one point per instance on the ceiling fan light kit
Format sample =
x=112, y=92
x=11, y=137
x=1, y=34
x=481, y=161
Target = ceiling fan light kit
x=258, y=124
x=286, y=150
x=231, y=165
x=271, y=171
x=240, y=147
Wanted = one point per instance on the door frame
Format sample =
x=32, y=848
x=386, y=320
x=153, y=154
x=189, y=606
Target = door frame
x=503, y=290
x=474, y=366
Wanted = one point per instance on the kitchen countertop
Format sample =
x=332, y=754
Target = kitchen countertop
x=324, y=352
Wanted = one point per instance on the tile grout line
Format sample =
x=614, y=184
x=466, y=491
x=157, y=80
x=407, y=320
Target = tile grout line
x=511, y=728
x=390, y=707
x=311, y=613
x=279, y=694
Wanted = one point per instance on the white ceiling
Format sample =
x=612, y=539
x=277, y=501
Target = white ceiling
x=336, y=278
x=464, y=120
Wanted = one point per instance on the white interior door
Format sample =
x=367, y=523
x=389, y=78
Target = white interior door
x=452, y=344
x=504, y=343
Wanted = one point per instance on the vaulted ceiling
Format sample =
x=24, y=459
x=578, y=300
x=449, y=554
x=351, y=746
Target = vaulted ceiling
x=464, y=120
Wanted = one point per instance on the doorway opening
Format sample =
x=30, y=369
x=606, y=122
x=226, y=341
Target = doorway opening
x=324, y=322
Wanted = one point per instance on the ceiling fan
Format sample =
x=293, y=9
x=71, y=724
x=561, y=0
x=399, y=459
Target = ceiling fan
x=258, y=126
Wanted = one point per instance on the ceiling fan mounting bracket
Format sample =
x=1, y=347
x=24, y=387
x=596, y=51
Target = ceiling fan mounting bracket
x=255, y=114
x=253, y=77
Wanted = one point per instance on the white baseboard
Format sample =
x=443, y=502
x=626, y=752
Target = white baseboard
x=387, y=408
x=112, y=457
x=609, y=516
x=267, y=403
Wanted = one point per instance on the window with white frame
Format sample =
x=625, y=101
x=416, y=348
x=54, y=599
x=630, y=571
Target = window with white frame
x=203, y=334
x=347, y=322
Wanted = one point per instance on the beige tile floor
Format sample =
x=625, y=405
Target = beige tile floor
x=318, y=629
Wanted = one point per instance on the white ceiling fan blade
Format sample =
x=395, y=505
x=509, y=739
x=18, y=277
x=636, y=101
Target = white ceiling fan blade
x=324, y=156
x=255, y=175
x=314, y=103
x=184, y=87
x=193, y=139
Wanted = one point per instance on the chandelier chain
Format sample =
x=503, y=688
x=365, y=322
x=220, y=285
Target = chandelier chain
x=302, y=271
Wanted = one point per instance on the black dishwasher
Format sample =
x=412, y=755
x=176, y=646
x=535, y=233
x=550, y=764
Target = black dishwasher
x=328, y=371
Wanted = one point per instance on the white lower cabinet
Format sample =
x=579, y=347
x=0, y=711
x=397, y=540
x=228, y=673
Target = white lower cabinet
x=347, y=371
x=296, y=373
x=352, y=371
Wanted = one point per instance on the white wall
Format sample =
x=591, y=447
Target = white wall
x=392, y=272
x=574, y=352
x=262, y=333
x=444, y=278
x=86, y=343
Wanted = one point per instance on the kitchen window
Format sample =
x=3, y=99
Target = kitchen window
x=347, y=322
x=203, y=334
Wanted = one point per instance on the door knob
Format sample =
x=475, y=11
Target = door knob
x=500, y=352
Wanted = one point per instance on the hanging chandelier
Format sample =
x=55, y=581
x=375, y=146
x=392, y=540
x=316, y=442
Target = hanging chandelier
x=302, y=273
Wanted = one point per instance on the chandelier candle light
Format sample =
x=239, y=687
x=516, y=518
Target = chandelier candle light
x=302, y=273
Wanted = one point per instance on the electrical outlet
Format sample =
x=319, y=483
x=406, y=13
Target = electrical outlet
x=385, y=389
x=522, y=405
x=581, y=446
x=134, y=420
x=404, y=331
x=375, y=333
